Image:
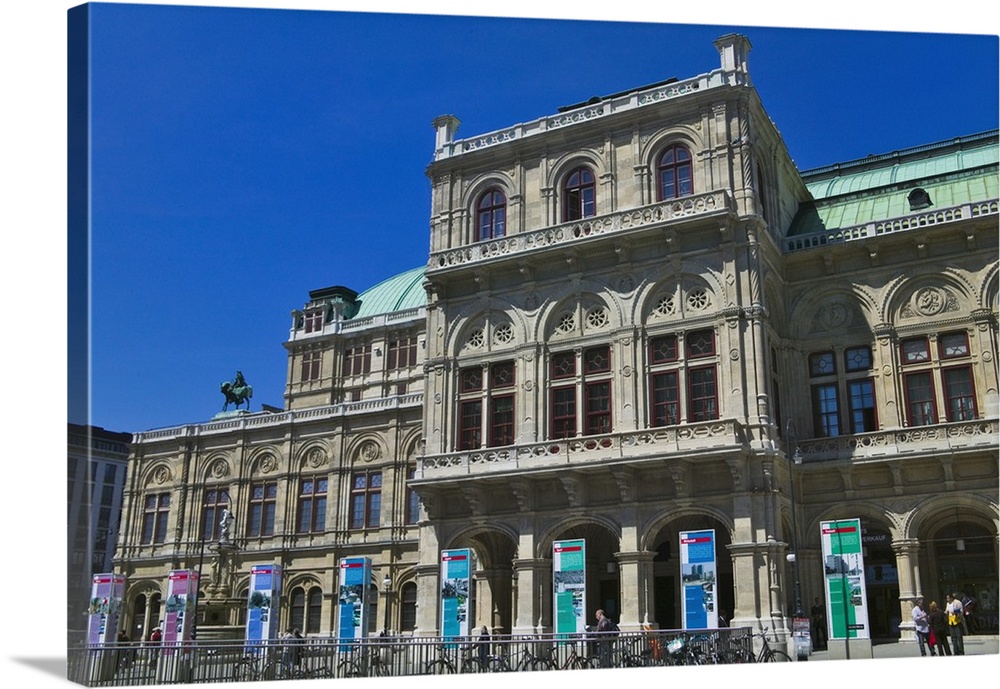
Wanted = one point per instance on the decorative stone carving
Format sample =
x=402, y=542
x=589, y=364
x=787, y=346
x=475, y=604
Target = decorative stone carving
x=929, y=301
x=503, y=334
x=369, y=451
x=268, y=464
x=316, y=457
x=220, y=468
x=161, y=475
x=698, y=300
x=597, y=318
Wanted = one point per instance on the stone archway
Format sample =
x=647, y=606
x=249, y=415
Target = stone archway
x=603, y=570
x=666, y=570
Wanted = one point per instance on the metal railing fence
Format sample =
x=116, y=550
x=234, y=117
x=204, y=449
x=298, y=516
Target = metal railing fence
x=142, y=663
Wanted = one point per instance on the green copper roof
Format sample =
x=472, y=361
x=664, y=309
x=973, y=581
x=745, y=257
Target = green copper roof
x=953, y=173
x=398, y=293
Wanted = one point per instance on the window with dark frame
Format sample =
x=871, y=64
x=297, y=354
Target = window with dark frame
x=669, y=373
x=366, y=500
x=861, y=412
x=263, y=507
x=312, y=504
x=826, y=411
x=408, y=607
x=579, y=195
x=412, y=499
x=953, y=345
x=491, y=215
x=402, y=352
x=915, y=350
x=959, y=393
x=314, y=319
x=358, y=360
x=593, y=387
x=312, y=364
x=297, y=608
x=156, y=510
x=493, y=391
x=673, y=170
x=215, y=500
x=919, y=391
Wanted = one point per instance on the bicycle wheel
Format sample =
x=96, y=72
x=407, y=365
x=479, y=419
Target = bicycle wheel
x=244, y=671
x=499, y=664
x=542, y=664
x=439, y=667
x=348, y=668
x=777, y=657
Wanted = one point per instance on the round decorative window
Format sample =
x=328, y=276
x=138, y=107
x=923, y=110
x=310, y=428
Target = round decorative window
x=664, y=305
x=697, y=300
x=597, y=317
x=503, y=334
x=476, y=338
x=566, y=323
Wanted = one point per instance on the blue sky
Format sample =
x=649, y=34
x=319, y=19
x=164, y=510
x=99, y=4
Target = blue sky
x=306, y=165
x=242, y=157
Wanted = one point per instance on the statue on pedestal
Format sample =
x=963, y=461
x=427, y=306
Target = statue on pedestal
x=226, y=525
x=237, y=392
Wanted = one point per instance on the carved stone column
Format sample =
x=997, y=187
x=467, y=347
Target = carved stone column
x=908, y=567
x=534, y=596
x=428, y=586
x=636, y=579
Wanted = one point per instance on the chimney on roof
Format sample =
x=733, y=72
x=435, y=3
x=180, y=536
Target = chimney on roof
x=446, y=126
x=733, y=49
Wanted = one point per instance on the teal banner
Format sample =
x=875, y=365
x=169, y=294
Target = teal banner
x=844, y=572
x=569, y=581
x=456, y=570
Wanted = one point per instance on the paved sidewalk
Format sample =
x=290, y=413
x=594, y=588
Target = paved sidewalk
x=975, y=644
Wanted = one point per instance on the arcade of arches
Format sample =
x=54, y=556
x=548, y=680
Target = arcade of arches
x=951, y=549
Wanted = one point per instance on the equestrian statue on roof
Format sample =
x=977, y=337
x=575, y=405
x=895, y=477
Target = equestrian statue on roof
x=237, y=392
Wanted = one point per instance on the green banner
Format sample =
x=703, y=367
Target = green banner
x=844, y=570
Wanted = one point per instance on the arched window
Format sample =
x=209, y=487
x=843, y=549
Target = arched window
x=673, y=172
x=491, y=215
x=297, y=608
x=314, y=610
x=408, y=607
x=305, y=609
x=579, y=195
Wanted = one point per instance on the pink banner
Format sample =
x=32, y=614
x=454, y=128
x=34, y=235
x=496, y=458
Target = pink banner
x=180, y=606
x=105, y=605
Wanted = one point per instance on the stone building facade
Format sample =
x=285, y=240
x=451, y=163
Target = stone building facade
x=635, y=313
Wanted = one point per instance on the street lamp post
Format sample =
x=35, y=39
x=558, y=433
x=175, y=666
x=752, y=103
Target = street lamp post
x=386, y=587
x=795, y=460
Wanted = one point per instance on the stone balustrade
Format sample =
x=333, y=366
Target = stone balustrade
x=914, y=221
x=248, y=422
x=928, y=440
x=589, y=112
x=580, y=231
x=722, y=435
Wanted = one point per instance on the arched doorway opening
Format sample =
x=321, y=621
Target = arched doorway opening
x=881, y=580
x=491, y=588
x=602, y=577
x=961, y=550
x=667, y=570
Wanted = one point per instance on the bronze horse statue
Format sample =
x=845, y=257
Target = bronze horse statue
x=237, y=392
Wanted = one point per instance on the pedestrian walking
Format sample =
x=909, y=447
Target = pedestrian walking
x=606, y=631
x=938, y=621
x=956, y=624
x=921, y=626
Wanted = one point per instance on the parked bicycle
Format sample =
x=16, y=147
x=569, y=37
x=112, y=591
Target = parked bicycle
x=768, y=654
x=447, y=663
x=252, y=668
x=369, y=662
